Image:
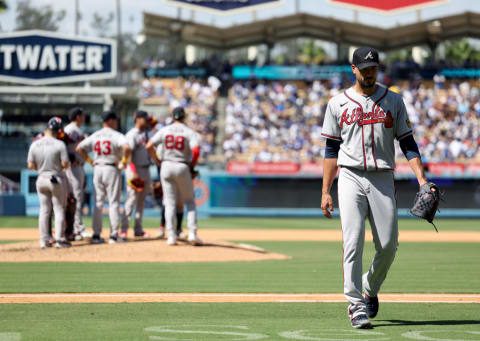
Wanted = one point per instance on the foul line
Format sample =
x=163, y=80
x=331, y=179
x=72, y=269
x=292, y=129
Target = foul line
x=225, y=298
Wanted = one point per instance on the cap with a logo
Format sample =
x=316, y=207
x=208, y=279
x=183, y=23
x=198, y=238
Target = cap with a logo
x=55, y=123
x=364, y=57
x=178, y=113
x=109, y=115
x=141, y=114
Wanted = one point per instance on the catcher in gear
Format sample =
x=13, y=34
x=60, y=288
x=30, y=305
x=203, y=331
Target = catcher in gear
x=137, y=174
x=426, y=202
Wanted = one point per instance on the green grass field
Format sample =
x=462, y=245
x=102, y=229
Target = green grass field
x=272, y=223
x=314, y=267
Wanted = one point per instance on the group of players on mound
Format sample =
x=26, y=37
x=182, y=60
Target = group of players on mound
x=59, y=154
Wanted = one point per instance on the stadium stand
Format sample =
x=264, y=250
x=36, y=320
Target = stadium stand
x=278, y=121
x=199, y=98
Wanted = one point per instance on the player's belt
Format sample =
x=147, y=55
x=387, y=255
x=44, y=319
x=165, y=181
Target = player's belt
x=105, y=164
x=144, y=166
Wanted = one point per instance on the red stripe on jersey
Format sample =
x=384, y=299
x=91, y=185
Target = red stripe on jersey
x=363, y=141
x=373, y=128
x=338, y=138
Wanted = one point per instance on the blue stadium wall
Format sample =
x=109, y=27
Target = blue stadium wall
x=218, y=193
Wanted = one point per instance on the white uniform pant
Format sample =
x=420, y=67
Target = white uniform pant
x=136, y=200
x=364, y=195
x=177, y=184
x=49, y=195
x=76, y=177
x=107, y=184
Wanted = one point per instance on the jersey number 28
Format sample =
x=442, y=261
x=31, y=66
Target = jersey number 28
x=103, y=148
x=172, y=142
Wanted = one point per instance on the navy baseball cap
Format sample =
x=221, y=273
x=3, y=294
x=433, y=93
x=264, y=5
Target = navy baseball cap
x=141, y=114
x=74, y=112
x=55, y=123
x=178, y=113
x=109, y=115
x=364, y=57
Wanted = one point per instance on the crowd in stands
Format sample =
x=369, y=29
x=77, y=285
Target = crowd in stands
x=276, y=122
x=446, y=120
x=199, y=99
x=282, y=121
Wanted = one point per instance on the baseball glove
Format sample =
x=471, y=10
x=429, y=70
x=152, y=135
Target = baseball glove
x=426, y=202
x=138, y=184
x=194, y=173
x=157, y=190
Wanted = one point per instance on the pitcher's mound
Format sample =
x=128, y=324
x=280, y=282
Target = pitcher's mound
x=152, y=250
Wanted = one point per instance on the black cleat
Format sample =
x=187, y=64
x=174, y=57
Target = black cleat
x=372, y=306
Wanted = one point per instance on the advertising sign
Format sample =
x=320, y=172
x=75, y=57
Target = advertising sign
x=40, y=57
x=223, y=6
x=388, y=6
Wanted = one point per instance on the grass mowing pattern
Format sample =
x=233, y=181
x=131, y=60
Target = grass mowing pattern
x=319, y=321
x=315, y=267
x=271, y=223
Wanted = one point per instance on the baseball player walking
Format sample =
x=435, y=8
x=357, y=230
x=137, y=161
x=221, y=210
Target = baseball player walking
x=360, y=127
x=139, y=166
x=49, y=157
x=180, y=151
x=76, y=174
x=111, y=153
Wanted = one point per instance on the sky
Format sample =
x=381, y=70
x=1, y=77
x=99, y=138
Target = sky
x=132, y=13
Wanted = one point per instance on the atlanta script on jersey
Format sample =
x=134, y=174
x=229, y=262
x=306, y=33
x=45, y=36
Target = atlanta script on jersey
x=367, y=127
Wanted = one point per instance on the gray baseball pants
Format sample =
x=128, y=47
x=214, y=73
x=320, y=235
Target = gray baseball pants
x=136, y=199
x=51, y=194
x=76, y=177
x=107, y=184
x=177, y=184
x=364, y=195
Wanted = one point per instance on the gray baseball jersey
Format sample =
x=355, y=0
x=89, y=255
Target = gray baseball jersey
x=106, y=145
x=137, y=140
x=75, y=135
x=47, y=154
x=177, y=142
x=367, y=127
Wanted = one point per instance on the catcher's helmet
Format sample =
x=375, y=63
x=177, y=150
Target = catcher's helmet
x=55, y=123
x=178, y=113
x=74, y=112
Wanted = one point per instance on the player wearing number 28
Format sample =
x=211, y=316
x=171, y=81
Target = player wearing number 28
x=110, y=154
x=180, y=153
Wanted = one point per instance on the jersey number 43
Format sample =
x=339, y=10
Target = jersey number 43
x=172, y=142
x=103, y=148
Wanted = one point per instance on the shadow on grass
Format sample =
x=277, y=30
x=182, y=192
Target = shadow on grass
x=181, y=242
x=425, y=323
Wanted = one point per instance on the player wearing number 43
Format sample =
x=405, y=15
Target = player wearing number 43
x=180, y=154
x=110, y=155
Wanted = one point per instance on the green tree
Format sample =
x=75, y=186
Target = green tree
x=101, y=25
x=460, y=51
x=3, y=6
x=41, y=18
x=311, y=53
